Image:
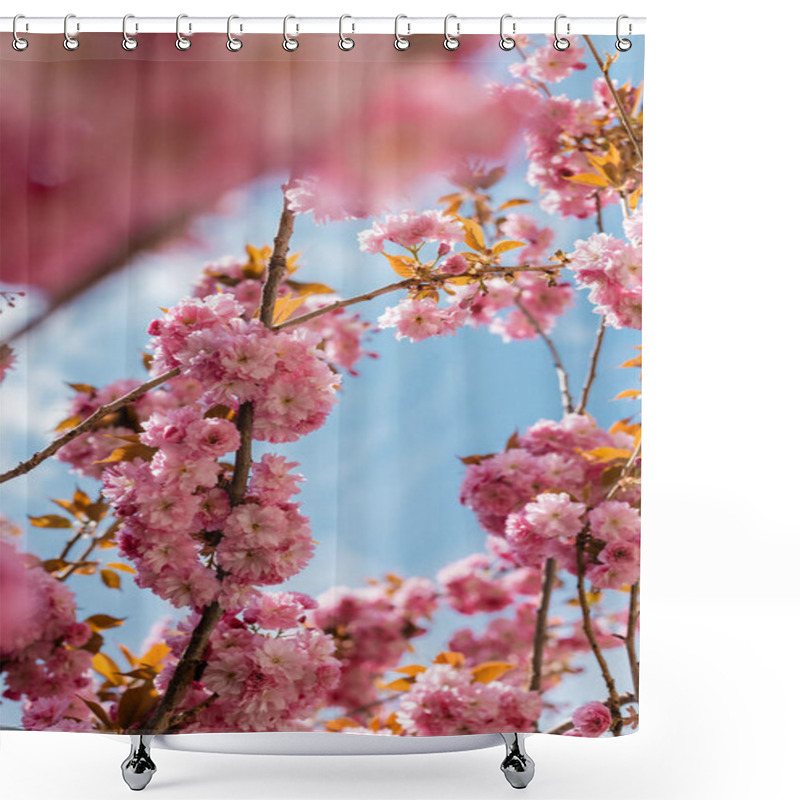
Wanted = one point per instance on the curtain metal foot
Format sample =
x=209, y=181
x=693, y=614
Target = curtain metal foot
x=138, y=768
x=517, y=766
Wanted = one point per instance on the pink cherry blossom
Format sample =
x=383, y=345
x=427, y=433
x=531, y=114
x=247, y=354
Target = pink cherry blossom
x=411, y=229
x=592, y=719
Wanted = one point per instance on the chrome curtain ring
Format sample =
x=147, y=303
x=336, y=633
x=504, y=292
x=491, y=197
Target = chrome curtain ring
x=290, y=43
x=181, y=42
x=70, y=42
x=451, y=42
x=18, y=43
x=233, y=44
x=400, y=42
x=559, y=42
x=346, y=43
x=128, y=42
x=506, y=42
x=623, y=45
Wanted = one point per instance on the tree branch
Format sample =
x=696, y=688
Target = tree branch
x=563, y=378
x=190, y=666
x=623, y=114
x=86, y=425
x=592, y=374
x=540, y=637
x=613, y=696
x=407, y=283
x=630, y=638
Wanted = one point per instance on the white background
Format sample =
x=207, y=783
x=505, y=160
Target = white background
x=720, y=707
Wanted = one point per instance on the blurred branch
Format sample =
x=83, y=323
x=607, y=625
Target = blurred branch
x=540, y=637
x=630, y=637
x=587, y=387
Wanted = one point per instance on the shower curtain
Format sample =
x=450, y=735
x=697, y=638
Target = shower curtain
x=321, y=386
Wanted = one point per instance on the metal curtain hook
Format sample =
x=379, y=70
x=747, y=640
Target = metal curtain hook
x=451, y=42
x=70, y=42
x=346, y=43
x=290, y=43
x=233, y=44
x=181, y=42
x=128, y=42
x=506, y=42
x=560, y=43
x=400, y=42
x=18, y=43
x=623, y=44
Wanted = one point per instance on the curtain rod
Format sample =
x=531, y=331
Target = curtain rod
x=300, y=25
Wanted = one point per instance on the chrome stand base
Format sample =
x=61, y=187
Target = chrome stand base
x=138, y=768
x=517, y=766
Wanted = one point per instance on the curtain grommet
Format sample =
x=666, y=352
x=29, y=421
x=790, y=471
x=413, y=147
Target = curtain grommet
x=507, y=42
x=71, y=43
x=17, y=42
x=559, y=42
x=623, y=45
x=345, y=42
x=182, y=42
x=233, y=44
x=129, y=43
x=401, y=42
x=290, y=43
x=451, y=42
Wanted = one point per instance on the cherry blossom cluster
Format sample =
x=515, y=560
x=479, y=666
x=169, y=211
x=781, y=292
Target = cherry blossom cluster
x=546, y=458
x=612, y=270
x=40, y=646
x=265, y=669
x=470, y=585
x=240, y=360
x=372, y=627
x=340, y=334
x=411, y=229
x=448, y=700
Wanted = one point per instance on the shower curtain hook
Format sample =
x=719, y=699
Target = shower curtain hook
x=181, y=42
x=233, y=44
x=451, y=42
x=400, y=42
x=623, y=45
x=506, y=42
x=345, y=42
x=560, y=43
x=290, y=43
x=18, y=43
x=128, y=42
x=70, y=42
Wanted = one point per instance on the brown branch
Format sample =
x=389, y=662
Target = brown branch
x=540, y=637
x=598, y=204
x=563, y=378
x=568, y=726
x=190, y=666
x=613, y=696
x=407, y=283
x=86, y=425
x=592, y=374
x=623, y=114
x=630, y=637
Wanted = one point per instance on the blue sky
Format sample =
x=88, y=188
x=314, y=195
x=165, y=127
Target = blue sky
x=383, y=474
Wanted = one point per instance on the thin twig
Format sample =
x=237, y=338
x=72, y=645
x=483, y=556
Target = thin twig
x=598, y=203
x=436, y=277
x=626, y=471
x=86, y=425
x=630, y=637
x=592, y=374
x=613, y=696
x=540, y=637
x=623, y=114
x=568, y=726
x=190, y=665
x=563, y=378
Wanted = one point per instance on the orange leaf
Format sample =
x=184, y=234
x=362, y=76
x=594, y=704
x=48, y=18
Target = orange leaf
x=474, y=234
x=122, y=567
x=50, y=521
x=628, y=393
x=601, y=455
x=633, y=362
x=508, y=244
x=135, y=704
x=589, y=179
x=400, y=685
x=305, y=289
x=404, y=266
x=102, y=622
x=411, y=669
x=110, y=578
x=155, y=655
x=336, y=725
x=517, y=201
x=490, y=670
x=449, y=657
x=107, y=668
x=285, y=307
x=67, y=424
